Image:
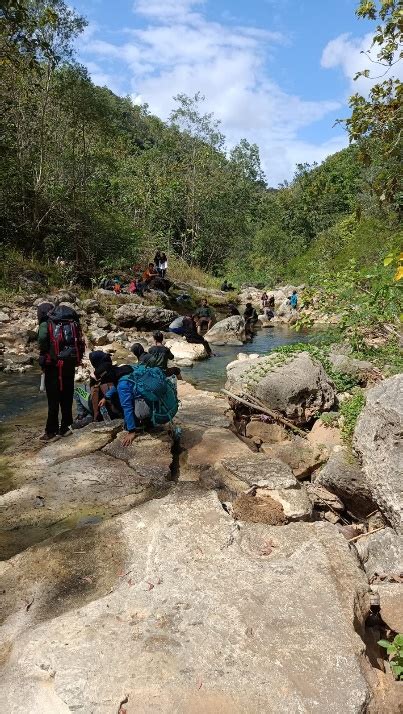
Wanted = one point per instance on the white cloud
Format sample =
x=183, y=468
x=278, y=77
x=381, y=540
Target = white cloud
x=180, y=51
x=354, y=54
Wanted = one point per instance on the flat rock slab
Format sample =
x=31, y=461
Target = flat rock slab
x=208, y=446
x=201, y=407
x=80, y=443
x=239, y=473
x=149, y=456
x=202, y=617
x=95, y=484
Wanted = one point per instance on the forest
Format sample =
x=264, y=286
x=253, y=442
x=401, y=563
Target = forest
x=92, y=178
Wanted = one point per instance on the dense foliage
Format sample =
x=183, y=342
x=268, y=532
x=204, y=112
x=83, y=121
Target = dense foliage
x=92, y=178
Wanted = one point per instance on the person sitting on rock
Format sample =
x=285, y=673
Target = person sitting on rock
x=186, y=326
x=270, y=303
x=250, y=317
x=204, y=316
x=90, y=397
x=232, y=310
x=149, y=274
x=265, y=300
x=157, y=356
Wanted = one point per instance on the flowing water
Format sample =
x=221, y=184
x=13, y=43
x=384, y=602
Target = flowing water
x=23, y=411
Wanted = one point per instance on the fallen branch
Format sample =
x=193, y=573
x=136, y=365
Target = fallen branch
x=266, y=411
x=362, y=535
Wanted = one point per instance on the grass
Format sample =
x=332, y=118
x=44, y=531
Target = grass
x=350, y=410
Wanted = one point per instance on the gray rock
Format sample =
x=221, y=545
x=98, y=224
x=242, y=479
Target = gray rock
x=19, y=360
x=174, y=609
x=99, y=337
x=379, y=444
x=302, y=457
x=322, y=498
x=381, y=553
x=391, y=602
x=4, y=316
x=91, y=305
x=349, y=365
x=343, y=476
x=144, y=316
x=230, y=331
x=298, y=388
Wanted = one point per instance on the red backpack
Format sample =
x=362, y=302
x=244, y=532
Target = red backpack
x=67, y=345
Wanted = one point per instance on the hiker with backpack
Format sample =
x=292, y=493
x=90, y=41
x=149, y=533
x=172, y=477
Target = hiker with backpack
x=157, y=356
x=61, y=347
x=88, y=398
x=147, y=398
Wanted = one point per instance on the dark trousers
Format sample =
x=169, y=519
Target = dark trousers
x=59, y=398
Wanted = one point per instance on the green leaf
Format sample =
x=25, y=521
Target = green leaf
x=383, y=643
x=388, y=260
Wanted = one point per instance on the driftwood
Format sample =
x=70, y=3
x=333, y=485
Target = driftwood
x=362, y=535
x=265, y=410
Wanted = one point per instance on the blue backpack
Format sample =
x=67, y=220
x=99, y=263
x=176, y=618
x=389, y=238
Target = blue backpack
x=151, y=384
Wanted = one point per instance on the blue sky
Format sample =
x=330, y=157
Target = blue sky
x=277, y=72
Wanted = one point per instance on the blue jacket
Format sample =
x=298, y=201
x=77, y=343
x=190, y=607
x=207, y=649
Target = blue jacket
x=126, y=398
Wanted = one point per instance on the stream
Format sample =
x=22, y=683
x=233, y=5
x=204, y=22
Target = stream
x=22, y=404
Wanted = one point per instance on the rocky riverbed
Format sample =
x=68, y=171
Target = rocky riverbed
x=214, y=581
x=249, y=566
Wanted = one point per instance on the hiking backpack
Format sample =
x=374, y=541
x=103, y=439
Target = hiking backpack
x=65, y=337
x=151, y=384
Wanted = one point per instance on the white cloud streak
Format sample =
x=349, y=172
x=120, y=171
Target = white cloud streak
x=180, y=51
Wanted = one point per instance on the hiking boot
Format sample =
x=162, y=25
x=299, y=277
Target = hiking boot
x=66, y=432
x=47, y=437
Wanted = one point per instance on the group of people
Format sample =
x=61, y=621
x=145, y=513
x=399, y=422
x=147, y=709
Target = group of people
x=143, y=394
x=191, y=326
x=152, y=276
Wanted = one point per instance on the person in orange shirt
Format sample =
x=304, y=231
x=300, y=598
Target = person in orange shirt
x=149, y=274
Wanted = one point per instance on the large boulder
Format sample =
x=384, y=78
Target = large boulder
x=297, y=386
x=378, y=442
x=230, y=331
x=187, y=351
x=144, y=316
x=174, y=608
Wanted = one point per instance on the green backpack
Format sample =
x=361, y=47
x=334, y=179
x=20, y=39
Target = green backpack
x=151, y=384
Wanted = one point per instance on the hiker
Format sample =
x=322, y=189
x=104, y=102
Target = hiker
x=250, y=317
x=149, y=274
x=117, y=288
x=227, y=287
x=88, y=397
x=147, y=397
x=186, y=326
x=265, y=300
x=163, y=266
x=157, y=356
x=203, y=316
x=61, y=347
x=232, y=309
x=270, y=304
x=293, y=300
x=157, y=260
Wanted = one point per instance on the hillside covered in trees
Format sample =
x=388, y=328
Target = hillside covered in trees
x=92, y=178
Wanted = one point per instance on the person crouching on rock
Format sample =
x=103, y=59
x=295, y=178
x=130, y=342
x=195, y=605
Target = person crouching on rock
x=157, y=356
x=186, y=326
x=204, y=316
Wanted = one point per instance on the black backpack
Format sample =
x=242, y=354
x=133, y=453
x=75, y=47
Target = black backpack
x=66, y=340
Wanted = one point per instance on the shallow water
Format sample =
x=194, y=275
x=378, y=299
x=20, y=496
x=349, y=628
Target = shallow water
x=210, y=374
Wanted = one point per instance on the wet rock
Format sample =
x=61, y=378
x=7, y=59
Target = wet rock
x=219, y=619
x=379, y=444
x=259, y=432
x=298, y=388
x=144, y=316
x=302, y=457
x=230, y=331
x=343, y=476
